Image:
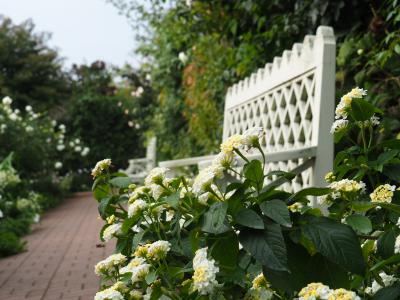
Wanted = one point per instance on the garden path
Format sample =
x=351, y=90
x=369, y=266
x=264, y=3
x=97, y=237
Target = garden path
x=62, y=252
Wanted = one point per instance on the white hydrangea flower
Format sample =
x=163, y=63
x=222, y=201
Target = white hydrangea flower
x=78, y=149
x=60, y=147
x=339, y=125
x=206, y=177
x=7, y=100
x=13, y=117
x=314, y=290
x=108, y=294
x=140, y=272
x=343, y=294
x=62, y=128
x=111, y=230
x=135, y=262
x=347, y=185
x=387, y=280
x=28, y=108
x=183, y=57
x=136, y=207
x=58, y=165
x=345, y=102
x=28, y=128
x=397, y=245
x=383, y=193
x=156, y=191
x=233, y=142
x=85, y=151
x=225, y=160
x=110, y=262
x=101, y=166
x=1, y=214
x=252, y=136
x=205, y=270
x=156, y=176
x=158, y=250
x=203, y=198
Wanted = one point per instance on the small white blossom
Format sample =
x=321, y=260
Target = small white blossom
x=397, y=245
x=101, y=166
x=205, y=271
x=58, y=165
x=206, y=177
x=387, y=280
x=108, y=294
x=156, y=175
x=28, y=128
x=140, y=272
x=7, y=100
x=383, y=193
x=136, y=207
x=158, y=250
x=183, y=57
x=339, y=125
x=315, y=290
x=106, y=265
x=85, y=151
x=28, y=108
x=111, y=230
x=78, y=149
x=60, y=147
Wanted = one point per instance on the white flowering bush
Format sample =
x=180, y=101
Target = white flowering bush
x=43, y=149
x=229, y=233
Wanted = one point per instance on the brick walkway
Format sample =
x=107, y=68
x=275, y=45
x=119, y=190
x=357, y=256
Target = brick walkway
x=61, y=256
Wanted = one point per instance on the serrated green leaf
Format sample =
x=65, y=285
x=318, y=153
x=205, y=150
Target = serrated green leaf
x=214, y=219
x=277, y=211
x=337, y=242
x=266, y=246
x=121, y=182
x=249, y=218
x=359, y=223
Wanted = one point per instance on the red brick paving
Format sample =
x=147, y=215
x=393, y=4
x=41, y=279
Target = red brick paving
x=61, y=255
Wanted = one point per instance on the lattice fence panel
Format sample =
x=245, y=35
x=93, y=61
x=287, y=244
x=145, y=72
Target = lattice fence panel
x=286, y=114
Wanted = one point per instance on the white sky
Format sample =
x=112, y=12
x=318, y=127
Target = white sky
x=82, y=30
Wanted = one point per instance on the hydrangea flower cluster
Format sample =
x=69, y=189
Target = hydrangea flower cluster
x=387, y=280
x=100, y=167
x=319, y=291
x=345, y=102
x=205, y=271
x=109, y=264
x=111, y=231
x=347, y=185
x=383, y=193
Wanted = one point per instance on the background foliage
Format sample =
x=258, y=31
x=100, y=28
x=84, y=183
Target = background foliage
x=223, y=41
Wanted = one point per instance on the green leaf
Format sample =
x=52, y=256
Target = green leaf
x=254, y=173
x=214, y=219
x=249, y=218
x=386, y=243
x=137, y=238
x=392, y=171
x=359, y=223
x=312, y=191
x=268, y=247
x=362, y=206
x=150, y=277
x=121, y=182
x=103, y=206
x=388, y=293
x=127, y=224
x=337, y=242
x=277, y=211
x=386, y=156
x=391, y=260
x=361, y=110
x=389, y=206
x=278, y=173
x=304, y=269
x=173, y=199
x=224, y=249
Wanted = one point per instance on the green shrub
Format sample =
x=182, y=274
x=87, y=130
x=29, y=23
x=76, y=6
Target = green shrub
x=10, y=244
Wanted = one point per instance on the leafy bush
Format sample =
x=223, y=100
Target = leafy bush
x=43, y=152
x=110, y=117
x=10, y=243
x=195, y=49
x=31, y=72
x=216, y=238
